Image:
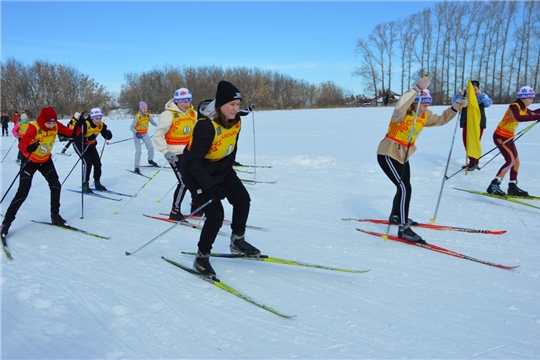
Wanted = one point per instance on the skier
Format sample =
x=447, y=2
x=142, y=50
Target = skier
x=85, y=145
x=207, y=170
x=410, y=116
x=36, y=145
x=484, y=101
x=503, y=137
x=171, y=136
x=139, y=127
x=18, y=131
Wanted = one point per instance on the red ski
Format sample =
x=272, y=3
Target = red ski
x=435, y=227
x=438, y=249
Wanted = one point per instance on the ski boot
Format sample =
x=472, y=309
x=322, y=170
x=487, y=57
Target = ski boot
x=56, y=219
x=406, y=233
x=495, y=188
x=515, y=191
x=201, y=265
x=98, y=186
x=86, y=188
x=239, y=246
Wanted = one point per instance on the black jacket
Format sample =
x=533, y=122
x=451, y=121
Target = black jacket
x=198, y=172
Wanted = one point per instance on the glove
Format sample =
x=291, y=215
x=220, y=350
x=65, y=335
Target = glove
x=459, y=103
x=108, y=135
x=251, y=107
x=218, y=193
x=171, y=158
x=421, y=84
x=81, y=121
x=139, y=136
x=32, y=147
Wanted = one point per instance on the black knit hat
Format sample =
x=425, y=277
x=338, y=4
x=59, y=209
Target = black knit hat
x=225, y=93
x=475, y=83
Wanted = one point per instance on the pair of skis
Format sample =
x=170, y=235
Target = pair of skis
x=435, y=247
x=511, y=198
x=65, y=227
x=99, y=194
x=264, y=258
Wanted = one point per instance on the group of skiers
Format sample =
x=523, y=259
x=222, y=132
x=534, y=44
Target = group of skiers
x=200, y=147
x=411, y=114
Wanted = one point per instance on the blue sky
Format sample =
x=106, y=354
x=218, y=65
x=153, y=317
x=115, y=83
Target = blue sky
x=311, y=41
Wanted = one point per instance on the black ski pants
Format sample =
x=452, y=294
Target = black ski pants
x=89, y=158
x=181, y=188
x=400, y=175
x=48, y=171
x=240, y=201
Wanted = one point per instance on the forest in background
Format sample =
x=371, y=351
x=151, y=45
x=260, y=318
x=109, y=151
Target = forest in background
x=494, y=42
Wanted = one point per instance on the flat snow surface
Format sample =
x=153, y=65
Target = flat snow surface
x=71, y=296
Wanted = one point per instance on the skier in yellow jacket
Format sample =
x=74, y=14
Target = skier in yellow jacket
x=171, y=136
x=411, y=115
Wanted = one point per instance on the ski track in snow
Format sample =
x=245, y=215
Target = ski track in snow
x=71, y=296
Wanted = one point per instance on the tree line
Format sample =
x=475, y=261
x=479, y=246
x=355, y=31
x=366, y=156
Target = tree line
x=494, y=42
x=30, y=87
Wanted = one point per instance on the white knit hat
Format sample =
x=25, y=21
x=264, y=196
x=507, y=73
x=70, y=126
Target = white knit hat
x=526, y=92
x=96, y=113
x=182, y=95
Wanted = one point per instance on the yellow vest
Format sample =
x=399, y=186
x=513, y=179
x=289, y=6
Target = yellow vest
x=400, y=132
x=181, y=127
x=46, y=143
x=92, y=133
x=142, y=123
x=23, y=128
x=508, y=125
x=224, y=141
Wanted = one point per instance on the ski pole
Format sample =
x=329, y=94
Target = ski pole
x=102, y=148
x=73, y=168
x=26, y=160
x=446, y=169
x=172, y=227
x=159, y=200
x=254, y=144
x=142, y=187
x=119, y=141
x=9, y=150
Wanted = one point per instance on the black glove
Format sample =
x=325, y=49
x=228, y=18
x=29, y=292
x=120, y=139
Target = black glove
x=108, y=134
x=32, y=147
x=218, y=193
x=81, y=120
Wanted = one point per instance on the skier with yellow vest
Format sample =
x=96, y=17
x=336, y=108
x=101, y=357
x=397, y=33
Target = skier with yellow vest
x=20, y=128
x=85, y=146
x=410, y=116
x=139, y=127
x=171, y=136
x=36, y=145
x=503, y=138
x=207, y=170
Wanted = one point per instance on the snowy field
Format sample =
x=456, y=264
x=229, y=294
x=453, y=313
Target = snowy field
x=71, y=296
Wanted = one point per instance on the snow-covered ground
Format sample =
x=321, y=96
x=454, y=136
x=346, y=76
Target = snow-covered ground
x=70, y=296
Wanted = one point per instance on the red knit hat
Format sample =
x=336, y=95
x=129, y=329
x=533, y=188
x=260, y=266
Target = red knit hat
x=46, y=115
